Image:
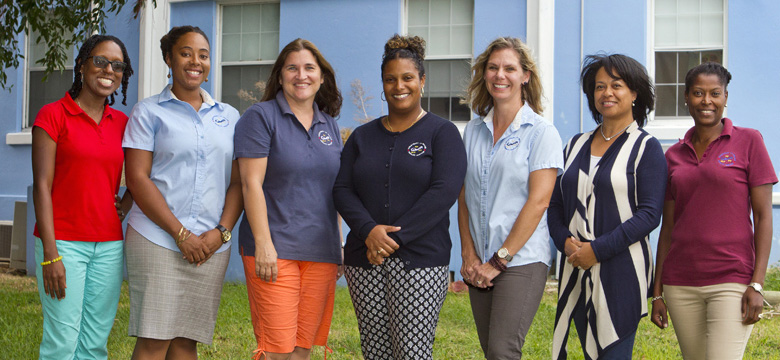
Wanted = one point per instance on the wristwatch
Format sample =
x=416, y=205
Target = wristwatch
x=504, y=254
x=757, y=287
x=226, y=234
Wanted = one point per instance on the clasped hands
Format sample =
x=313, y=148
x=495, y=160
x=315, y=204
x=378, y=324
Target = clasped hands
x=579, y=254
x=380, y=245
x=198, y=249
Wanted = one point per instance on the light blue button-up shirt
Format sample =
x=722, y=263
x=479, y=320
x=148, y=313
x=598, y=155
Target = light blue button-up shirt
x=191, y=161
x=497, y=181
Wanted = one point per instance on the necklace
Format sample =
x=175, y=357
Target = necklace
x=606, y=138
x=387, y=121
x=85, y=110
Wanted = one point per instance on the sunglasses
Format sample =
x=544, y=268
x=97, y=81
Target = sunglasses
x=102, y=62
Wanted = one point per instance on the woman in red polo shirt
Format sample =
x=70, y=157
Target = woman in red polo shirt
x=77, y=162
x=711, y=258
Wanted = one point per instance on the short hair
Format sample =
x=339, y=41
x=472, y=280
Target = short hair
x=477, y=94
x=619, y=66
x=328, y=97
x=709, y=68
x=169, y=40
x=405, y=47
x=81, y=58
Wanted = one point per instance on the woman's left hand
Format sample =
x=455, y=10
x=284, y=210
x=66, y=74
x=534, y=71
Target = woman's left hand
x=583, y=258
x=118, y=206
x=213, y=241
x=752, y=306
x=484, y=275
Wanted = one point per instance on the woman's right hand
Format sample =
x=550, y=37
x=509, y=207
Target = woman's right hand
x=659, y=316
x=193, y=249
x=54, y=279
x=468, y=266
x=379, y=242
x=571, y=245
x=265, y=262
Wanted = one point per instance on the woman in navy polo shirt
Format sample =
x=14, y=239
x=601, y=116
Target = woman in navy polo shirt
x=711, y=258
x=77, y=166
x=400, y=174
x=288, y=149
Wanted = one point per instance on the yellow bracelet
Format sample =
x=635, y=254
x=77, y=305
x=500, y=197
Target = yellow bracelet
x=58, y=258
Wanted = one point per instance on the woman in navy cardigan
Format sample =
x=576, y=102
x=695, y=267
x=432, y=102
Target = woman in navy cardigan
x=400, y=174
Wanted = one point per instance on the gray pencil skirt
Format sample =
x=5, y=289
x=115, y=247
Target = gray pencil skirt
x=170, y=297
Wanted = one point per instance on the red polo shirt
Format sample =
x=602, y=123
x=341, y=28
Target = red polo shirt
x=87, y=170
x=712, y=238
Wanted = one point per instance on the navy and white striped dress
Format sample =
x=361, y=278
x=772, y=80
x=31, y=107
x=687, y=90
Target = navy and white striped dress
x=615, y=207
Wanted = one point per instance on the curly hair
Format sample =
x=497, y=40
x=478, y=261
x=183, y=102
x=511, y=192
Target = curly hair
x=405, y=47
x=619, y=66
x=477, y=94
x=328, y=97
x=169, y=40
x=84, y=53
x=708, y=68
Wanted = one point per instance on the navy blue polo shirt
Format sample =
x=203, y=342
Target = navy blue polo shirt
x=299, y=178
x=409, y=179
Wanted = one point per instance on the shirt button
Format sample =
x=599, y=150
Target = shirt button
x=387, y=205
x=391, y=148
x=387, y=165
x=386, y=185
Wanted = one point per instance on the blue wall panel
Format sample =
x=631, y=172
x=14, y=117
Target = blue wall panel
x=567, y=70
x=494, y=18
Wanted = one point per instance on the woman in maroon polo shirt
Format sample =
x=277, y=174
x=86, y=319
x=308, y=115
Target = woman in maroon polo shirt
x=711, y=258
x=77, y=162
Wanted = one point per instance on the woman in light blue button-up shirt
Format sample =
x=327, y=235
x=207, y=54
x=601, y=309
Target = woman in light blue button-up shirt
x=187, y=191
x=514, y=156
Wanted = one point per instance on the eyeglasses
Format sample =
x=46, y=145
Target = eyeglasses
x=102, y=62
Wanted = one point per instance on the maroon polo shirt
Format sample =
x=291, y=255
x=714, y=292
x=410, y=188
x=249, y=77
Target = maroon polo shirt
x=712, y=238
x=87, y=170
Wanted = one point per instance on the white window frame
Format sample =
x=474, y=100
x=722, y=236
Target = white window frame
x=674, y=127
x=30, y=66
x=467, y=58
x=218, y=44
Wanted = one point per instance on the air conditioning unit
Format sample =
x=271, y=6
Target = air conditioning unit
x=6, y=230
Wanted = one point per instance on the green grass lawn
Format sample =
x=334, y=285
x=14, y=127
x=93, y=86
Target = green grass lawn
x=456, y=338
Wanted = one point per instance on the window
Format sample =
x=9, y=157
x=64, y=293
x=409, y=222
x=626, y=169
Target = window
x=687, y=33
x=250, y=44
x=40, y=93
x=447, y=27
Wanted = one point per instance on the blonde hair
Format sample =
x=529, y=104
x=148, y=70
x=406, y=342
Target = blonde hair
x=477, y=94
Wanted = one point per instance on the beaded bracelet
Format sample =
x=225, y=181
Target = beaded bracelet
x=659, y=297
x=58, y=258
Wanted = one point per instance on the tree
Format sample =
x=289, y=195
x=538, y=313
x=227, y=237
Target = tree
x=61, y=24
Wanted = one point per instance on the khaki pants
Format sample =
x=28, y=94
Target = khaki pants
x=708, y=320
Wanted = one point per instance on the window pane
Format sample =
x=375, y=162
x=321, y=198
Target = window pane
x=269, y=46
x=270, y=20
x=714, y=55
x=665, y=30
x=688, y=30
x=418, y=12
x=231, y=20
x=421, y=31
x=250, y=47
x=460, y=76
x=665, y=7
x=688, y=6
x=708, y=6
x=461, y=40
x=462, y=12
x=688, y=59
x=460, y=112
x=42, y=93
x=236, y=78
x=712, y=30
x=440, y=12
x=38, y=51
x=445, y=82
x=665, y=100
x=249, y=16
x=231, y=47
x=440, y=106
x=439, y=42
x=682, y=109
x=665, y=67
x=438, y=79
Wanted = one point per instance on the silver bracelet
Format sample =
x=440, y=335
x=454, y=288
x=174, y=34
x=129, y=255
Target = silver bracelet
x=660, y=297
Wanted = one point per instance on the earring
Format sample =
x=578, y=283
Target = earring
x=725, y=105
x=686, y=103
x=207, y=79
x=422, y=91
x=633, y=103
x=169, y=75
x=382, y=96
x=525, y=83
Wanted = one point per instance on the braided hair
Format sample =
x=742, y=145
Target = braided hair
x=84, y=53
x=405, y=47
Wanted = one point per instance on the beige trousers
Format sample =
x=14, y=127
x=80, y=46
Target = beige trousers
x=708, y=320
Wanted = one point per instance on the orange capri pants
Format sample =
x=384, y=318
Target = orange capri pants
x=296, y=310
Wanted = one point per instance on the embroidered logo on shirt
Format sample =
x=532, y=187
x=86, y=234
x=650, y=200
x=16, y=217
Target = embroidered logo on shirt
x=512, y=143
x=220, y=121
x=325, y=138
x=416, y=149
x=727, y=159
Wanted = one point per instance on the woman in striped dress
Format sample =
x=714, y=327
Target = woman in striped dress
x=605, y=204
